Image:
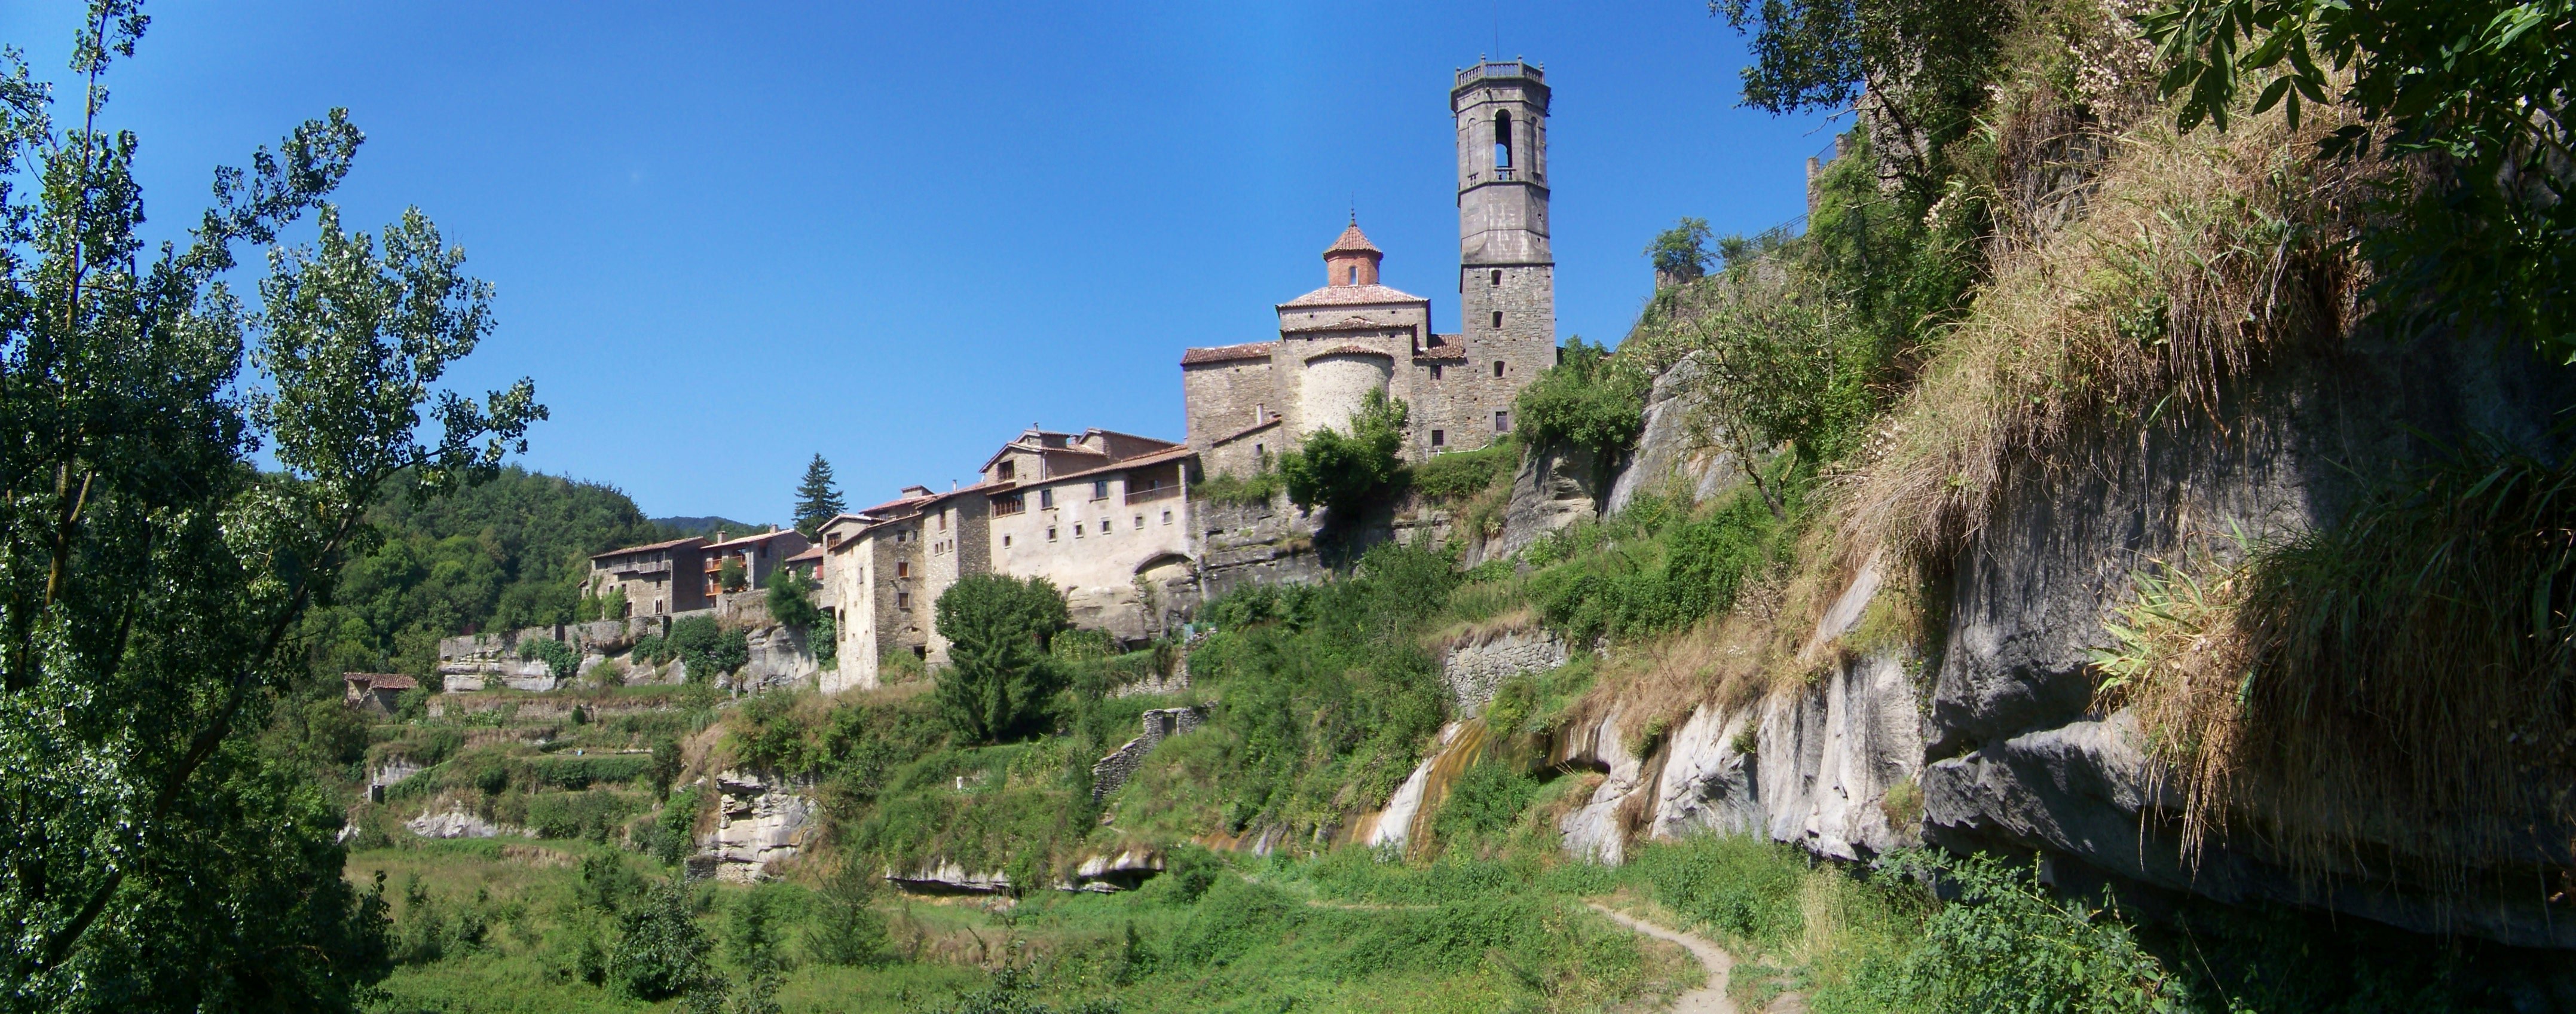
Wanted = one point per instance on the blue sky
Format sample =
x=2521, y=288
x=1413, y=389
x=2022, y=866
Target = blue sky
x=728, y=236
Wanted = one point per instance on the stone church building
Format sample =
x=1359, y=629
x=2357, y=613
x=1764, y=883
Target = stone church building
x=1354, y=335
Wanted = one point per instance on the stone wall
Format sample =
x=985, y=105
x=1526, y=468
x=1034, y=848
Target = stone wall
x=1471, y=670
x=1113, y=770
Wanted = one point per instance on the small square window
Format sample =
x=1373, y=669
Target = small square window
x=1077, y=529
x=1100, y=489
x=1435, y=371
x=1498, y=276
x=903, y=600
x=1498, y=318
x=1439, y=438
x=1167, y=517
x=1498, y=367
x=903, y=570
x=1006, y=542
x=1009, y=470
x=1046, y=497
x=1051, y=531
x=1106, y=524
x=1502, y=422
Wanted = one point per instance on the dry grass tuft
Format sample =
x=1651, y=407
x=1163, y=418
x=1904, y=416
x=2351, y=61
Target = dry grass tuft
x=2194, y=258
x=2405, y=678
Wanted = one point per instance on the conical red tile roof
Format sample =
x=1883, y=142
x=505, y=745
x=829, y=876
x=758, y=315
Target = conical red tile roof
x=1352, y=241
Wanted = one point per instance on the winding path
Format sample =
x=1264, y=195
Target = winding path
x=1708, y=999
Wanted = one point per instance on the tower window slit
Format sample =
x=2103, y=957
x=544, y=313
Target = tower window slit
x=1503, y=139
x=1498, y=318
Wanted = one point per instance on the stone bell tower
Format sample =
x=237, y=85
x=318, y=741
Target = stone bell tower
x=1506, y=272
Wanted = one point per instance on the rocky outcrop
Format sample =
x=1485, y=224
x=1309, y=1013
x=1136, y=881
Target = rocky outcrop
x=760, y=820
x=1473, y=667
x=1123, y=870
x=779, y=658
x=1673, y=447
x=1392, y=827
x=1554, y=488
x=389, y=773
x=491, y=661
x=2020, y=761
x=1241, y=545
x=1113, y=770
x=949, y=878
x=459, y=822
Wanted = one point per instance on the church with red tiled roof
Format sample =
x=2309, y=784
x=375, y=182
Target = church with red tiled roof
x=1249, y=401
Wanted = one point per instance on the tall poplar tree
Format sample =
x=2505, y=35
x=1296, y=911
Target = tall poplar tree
x=817, y=500
x=153, y=569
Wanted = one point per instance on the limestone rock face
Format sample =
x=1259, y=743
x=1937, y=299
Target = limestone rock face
x=1553, y=489
x=1120, y=871
x=1599, y=829
x=949, y=878
x=1670, y=449
x=779, y=658
x=457, y=823
x=759, y=821
x=1395, y=822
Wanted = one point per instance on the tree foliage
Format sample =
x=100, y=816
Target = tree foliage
x=152, y=578
x=791, y=600
x=1680, y=254
x=1588, y=399
x=1923, y=64
x=1001, y=674
x=2476, y=89
x=1341, y=472
x=817, y=499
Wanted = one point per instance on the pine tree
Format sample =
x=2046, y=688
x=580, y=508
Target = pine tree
x=816, y=499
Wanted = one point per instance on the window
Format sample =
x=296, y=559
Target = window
x=1009, y=470
x=1006, y=542
x=920, y=651
x=1046, y=497
x=1435, y=371
x=1502, y=140
x=1167, y=517
x=1498, y=367
x=1498, y=277
x=1100, y=489
x=903, y=600
x=1260, y=413
x=1439, y=438
x=1502, y=422
x=1140, y=521
x=1051, y=529
x=1498, y=318
x=1355, y=274
x=902, y=569
x=1077, y=529
x=1259, y=452
x=943, y=521
x=1106, y=524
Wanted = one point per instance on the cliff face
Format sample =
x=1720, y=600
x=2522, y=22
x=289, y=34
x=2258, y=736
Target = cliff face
x=1987, y=737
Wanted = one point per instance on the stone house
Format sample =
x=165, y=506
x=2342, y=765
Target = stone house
x=760, y=556
x=1104, y=515
x=809, y=563
x=658, y=579
x=376, y=691
x=1246, y=402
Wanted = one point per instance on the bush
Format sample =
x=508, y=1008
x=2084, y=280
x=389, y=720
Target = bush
x=1486, y=800
x=559, y=657
x=1740, y=885
x=1000, y=677
x=662, y=951
x=2005, y=945
x=1664, y=582
x=1343, y=472
x=1458, y=475
x=1260, y=488
x=1588, y=400
x=730, y=575
x=707, y=649
x=791, y=601
x=591, y=814
x=847, y=929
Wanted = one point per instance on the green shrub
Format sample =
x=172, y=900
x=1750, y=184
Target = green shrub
x=1588, y=400
x=1743, y=886
x=1458, y=475
x=1651, y=585
x=1261, y=487
x=559, y=657
x=1485, y=800
x=661, y=950
x=730, y=575
x=791, y=600
x=2005, y=944
x=848, y=930
x=591, y=814
x=1000, y=678
x=708, y=650
x=1341, y=472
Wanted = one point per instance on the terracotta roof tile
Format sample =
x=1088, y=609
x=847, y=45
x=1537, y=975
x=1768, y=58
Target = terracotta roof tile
x=1443, y=353
x=1227, y=353
x=1353, y=323
x=1349, y=350
x=381, y=680
x=1352, y=241
x=646, y=548
x=1353, y=295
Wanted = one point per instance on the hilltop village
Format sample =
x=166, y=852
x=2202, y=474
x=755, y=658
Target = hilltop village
x=1107, y=516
